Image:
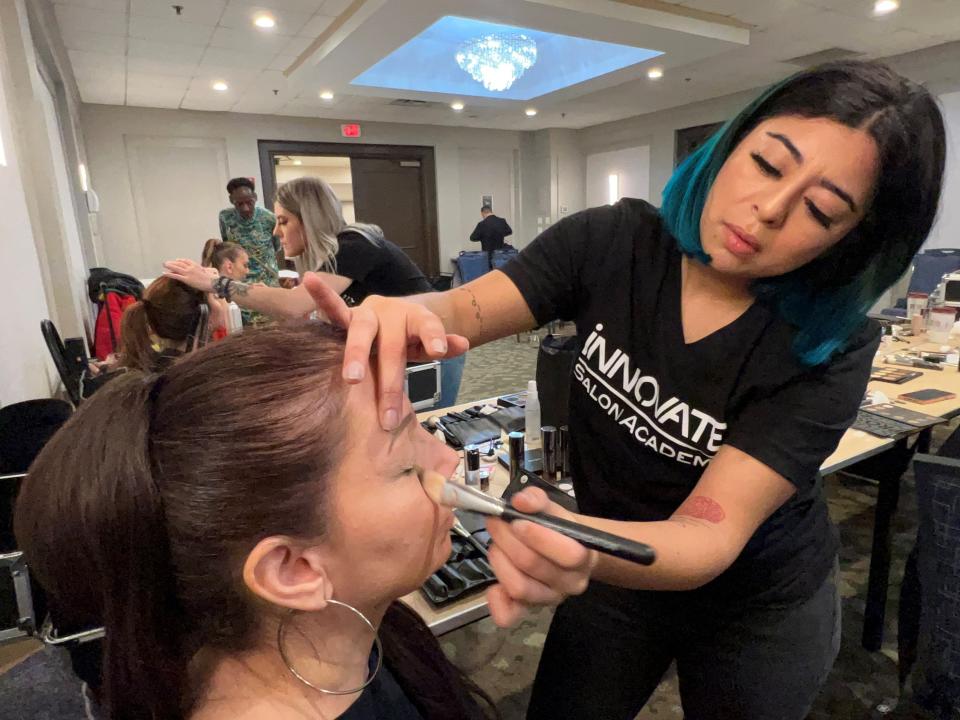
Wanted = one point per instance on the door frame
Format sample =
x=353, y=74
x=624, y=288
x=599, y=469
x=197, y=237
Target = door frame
x=269, y=150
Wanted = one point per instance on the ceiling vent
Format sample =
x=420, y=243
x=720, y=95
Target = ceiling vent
x=407, y=103
x=823, y=56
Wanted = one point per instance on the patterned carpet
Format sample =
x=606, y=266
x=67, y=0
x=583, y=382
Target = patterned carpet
x=862, y=684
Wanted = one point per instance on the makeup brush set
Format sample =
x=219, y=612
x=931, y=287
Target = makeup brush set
x=467, y=568
x=476, y=425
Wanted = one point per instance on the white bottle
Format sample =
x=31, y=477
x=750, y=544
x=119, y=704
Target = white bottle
x=234, y=319
x=531, y=414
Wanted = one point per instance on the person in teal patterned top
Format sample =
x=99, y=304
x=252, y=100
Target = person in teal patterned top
x=251, y=227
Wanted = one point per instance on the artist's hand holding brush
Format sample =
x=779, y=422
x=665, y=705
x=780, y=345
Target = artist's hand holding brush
x=534, y=565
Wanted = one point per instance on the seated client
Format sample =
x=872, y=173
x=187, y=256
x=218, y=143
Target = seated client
x=239, y=547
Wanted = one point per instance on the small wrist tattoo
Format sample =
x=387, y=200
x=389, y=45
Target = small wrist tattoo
x=478, y=315
x=238, y=288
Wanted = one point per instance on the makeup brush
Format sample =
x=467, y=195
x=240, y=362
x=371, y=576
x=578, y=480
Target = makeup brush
x=455, y=495
x=460, y=530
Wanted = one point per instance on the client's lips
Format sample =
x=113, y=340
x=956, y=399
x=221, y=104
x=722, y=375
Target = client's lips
x=739, y=242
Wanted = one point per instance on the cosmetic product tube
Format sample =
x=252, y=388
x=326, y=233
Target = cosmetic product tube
x=471, y=465
x=563, y=451
x=548, y=439
x=515, y=447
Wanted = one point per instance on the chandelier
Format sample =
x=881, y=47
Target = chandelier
x=497, y=61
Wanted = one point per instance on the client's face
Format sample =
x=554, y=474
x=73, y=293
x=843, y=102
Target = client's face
x=385, y=536
x=290, y=231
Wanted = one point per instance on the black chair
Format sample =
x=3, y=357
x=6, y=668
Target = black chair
x=70, y=371
x=930, y=594
x=25, y=428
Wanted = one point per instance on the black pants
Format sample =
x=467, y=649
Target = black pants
x=608, y=649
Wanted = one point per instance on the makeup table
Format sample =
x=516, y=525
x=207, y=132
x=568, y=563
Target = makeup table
x=855, y=446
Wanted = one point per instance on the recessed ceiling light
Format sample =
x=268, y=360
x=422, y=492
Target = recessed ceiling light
x=655, y=73
x=326, y=95
x=265, y=21
x=220, y=86
x=298, y=162
x=458, y=106
x=882, y=7
x=530, y=112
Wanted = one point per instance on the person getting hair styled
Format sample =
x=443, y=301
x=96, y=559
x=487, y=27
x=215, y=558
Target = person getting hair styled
x=232, y=261
x=229, y=258
x=161, y=326
x=239, y=555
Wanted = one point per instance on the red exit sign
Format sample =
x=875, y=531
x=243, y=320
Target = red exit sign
x=350, y=130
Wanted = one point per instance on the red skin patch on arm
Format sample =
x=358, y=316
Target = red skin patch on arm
x=702, y=507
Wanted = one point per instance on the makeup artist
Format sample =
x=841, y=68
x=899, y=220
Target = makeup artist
x=724, y=352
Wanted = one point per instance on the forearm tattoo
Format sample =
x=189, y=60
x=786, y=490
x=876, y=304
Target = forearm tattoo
x=238, y=289
x=475, y=307
x=702, y=508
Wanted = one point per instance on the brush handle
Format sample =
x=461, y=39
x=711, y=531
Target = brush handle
x=592, y=538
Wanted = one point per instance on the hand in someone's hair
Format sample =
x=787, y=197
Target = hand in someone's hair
x=191, y=274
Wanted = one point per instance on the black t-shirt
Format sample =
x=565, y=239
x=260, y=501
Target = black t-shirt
x=648, y=411
x=377, y=267
x=382, y=699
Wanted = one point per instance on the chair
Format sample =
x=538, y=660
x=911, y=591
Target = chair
x=25, y=428
x=936, y=667
x=929, y=267
x=69, y=371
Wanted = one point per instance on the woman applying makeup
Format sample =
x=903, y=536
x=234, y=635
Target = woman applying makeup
x=239, y=577
x=724, y=351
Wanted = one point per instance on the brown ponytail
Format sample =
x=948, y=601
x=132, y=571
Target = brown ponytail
x=215, y=252
x=170, y=310
x=101, y=547
x=136, y=348
x=206, y=258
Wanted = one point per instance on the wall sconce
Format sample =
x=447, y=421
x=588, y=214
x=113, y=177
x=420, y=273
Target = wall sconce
x=613, y=188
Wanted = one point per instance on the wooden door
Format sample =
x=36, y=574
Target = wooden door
x=389, y=192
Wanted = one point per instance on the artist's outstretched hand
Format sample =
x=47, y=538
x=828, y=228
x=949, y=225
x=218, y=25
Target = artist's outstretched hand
x=398, y=329
x=534, y=565
x=191, y=273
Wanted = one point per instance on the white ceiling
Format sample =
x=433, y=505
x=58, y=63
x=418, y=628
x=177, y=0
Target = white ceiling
x=140, y=53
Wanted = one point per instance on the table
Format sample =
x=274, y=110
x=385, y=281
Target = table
x=854, y=447
x=857, y=446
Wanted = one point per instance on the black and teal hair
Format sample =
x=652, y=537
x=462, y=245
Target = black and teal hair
x=827, y=298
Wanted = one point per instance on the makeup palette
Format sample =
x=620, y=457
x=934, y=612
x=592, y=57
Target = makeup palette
x=897, y=376
x=890, y=421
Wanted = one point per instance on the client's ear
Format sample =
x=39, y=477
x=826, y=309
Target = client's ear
x=287, y=574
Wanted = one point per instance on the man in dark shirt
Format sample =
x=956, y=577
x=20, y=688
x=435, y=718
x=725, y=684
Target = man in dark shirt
x=490, y=232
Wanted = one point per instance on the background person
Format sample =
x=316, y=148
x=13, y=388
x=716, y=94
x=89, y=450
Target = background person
x=161, y=326
x=725, y=352
x=490, y=232
x=251, y=227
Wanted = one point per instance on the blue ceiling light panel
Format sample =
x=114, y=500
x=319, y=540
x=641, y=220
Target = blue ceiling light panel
x=460, y=56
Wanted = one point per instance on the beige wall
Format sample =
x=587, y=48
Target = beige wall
x=47, y=242
x=108, y=128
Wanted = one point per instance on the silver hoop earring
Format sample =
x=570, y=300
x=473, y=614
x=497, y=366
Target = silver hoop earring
x=281, y=634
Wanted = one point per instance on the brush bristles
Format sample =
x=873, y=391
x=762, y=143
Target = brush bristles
x=434, y=485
